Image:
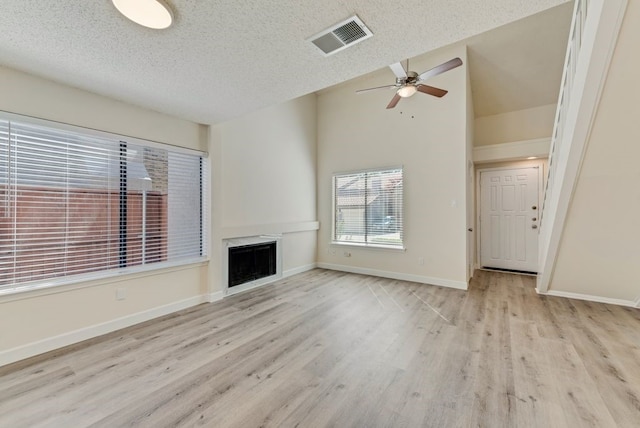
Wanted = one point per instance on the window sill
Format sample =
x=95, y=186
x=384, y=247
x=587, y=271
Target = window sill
x=369, y=246
x=71, y=283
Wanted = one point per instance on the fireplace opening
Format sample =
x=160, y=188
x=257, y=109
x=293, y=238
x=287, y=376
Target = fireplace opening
x=251, y=262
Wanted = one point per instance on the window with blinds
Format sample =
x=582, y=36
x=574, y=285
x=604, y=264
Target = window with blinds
x=368, y=208
x=77, y=203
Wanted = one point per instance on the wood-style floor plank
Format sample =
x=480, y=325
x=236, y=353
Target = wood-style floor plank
x=326, y=348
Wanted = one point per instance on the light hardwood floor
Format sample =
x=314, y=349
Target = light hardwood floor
x=334, y=349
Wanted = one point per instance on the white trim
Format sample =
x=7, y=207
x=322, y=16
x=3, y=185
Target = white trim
x=517, y=150
x=362, y=171
x=595, y=57
x=589, y=298
x=637, y=303
x=460, y=285
x=369, y=246
x=300, y=269
x=65, y=339
x=267, y=229
x=230, y=291
x=214, y=297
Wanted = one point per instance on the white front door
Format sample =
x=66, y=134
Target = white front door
x=509, y=218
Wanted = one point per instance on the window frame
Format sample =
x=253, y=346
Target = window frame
x=334, y=241
x=111, y=274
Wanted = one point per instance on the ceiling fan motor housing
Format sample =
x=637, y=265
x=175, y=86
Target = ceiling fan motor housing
x=410, y=82
x=411, y=79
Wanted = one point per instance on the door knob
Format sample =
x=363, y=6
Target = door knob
x=534, y=219
x=534, y=207
x=534, y=226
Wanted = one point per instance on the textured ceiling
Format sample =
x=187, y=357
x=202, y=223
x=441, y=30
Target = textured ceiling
x=222, y=59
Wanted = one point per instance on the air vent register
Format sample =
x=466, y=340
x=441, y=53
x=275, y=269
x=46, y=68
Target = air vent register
x=341, y=36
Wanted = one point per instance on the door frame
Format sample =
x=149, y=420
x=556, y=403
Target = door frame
x=541, y=164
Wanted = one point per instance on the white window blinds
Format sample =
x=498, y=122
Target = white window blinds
x=74, y=203
x=368, y=208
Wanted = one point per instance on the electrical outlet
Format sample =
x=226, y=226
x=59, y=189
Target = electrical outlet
x=121, y=293
x=347, y=254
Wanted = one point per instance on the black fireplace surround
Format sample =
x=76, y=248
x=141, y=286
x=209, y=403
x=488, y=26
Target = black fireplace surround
x=251, y=262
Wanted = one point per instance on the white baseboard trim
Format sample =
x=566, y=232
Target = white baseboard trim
x=214, y=297
x=460, y=285
x=589, y=298
x=36, y=348
x=638, y=302
x=299, y=269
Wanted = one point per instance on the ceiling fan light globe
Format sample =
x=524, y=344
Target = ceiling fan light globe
x=407, y=90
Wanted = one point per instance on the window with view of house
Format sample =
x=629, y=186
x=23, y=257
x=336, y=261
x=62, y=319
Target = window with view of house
x=76, y=202
x=368, y=208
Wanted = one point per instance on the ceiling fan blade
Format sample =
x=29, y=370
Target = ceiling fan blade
x=436, y=92
x=398, y=70
x=394, y=101
x=452, y=63
x=359, y=91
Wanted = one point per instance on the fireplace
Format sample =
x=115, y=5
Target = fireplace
x=249, y=263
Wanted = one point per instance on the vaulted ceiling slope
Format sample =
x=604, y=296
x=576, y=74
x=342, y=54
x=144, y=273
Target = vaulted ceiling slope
x=222, y=59
x=519, y=65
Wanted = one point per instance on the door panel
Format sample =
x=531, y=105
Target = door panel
x=509, y=219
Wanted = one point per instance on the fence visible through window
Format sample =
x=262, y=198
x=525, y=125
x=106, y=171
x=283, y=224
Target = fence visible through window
x=75, y=203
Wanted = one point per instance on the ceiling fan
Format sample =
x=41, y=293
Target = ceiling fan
x=410, y=82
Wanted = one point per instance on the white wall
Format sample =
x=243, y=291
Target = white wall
x=269, y=165
x=428, y=136
x=25, y=94
x=46, y=319
x=599, y=252
x=520, y=125
x=471, y=229
x=264, y=181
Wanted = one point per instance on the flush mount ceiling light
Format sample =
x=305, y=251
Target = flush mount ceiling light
x=148, y=13
x=407, y=90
